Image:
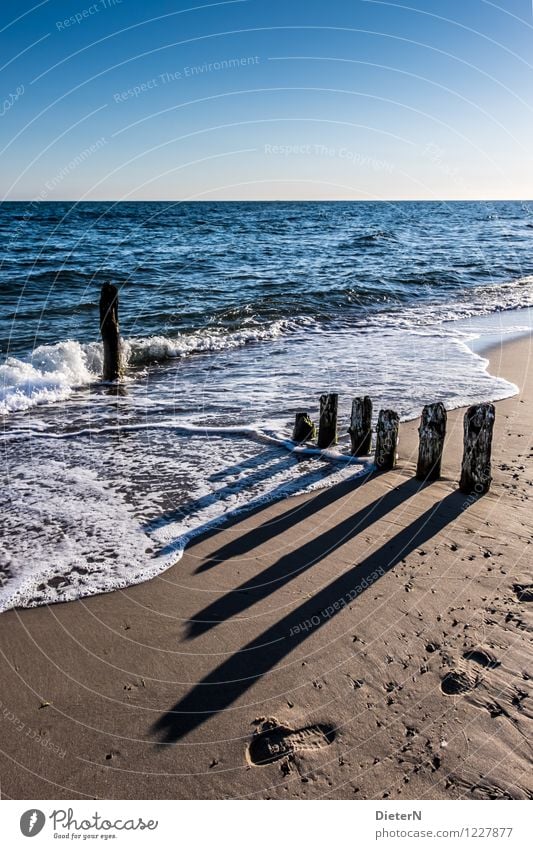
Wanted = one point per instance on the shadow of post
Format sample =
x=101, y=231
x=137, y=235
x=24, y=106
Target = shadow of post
x=295, y=514
x=232, y=678
x=254, y=507
x=292, y=564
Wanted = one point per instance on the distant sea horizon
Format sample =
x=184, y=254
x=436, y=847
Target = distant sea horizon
x=269, y=200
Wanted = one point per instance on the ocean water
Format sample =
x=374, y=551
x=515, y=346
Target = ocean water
x=233, y=316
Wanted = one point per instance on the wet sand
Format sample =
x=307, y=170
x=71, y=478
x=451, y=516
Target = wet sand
x=372, y=640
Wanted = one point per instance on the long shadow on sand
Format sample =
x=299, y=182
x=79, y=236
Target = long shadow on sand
x=292, y=564
x=232, y=678
x=281, y=523
x=314, y=475
x=229, y=491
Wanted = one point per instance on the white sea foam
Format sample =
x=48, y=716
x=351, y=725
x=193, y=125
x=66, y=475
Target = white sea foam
x=69, y=535
x=53, y=372
x=148, y=350
x=94, y=503
x=50, y=375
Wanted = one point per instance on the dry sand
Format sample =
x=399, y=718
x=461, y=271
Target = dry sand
x=413, y=683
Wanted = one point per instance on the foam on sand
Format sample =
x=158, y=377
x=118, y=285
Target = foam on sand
x=69, y=533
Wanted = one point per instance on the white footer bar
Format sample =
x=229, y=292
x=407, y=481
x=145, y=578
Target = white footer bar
x=263, y=824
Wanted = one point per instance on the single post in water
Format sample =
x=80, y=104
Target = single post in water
x=110, y=332
x=432, y=431
x=304, y=429
x=476, y=469
x=360, y=429
x=386, y=439
x=327, y=428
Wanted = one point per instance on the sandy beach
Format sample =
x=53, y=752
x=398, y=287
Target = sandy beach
x=370, y=641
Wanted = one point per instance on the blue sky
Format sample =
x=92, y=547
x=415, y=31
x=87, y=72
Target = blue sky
x=261, y=99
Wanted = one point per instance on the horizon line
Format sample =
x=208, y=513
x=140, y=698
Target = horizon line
x=268, y=200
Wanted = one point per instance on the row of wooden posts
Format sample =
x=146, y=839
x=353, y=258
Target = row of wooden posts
x=478, y=420
x=477, y=440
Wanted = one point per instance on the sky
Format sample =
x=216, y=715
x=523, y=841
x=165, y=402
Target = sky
x=266, y=99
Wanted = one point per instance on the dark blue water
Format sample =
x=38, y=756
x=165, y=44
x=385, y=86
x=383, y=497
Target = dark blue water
x=229, y=266
x=233, y=316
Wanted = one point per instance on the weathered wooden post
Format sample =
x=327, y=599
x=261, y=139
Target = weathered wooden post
x=432, y=431
x=304, y=429
x=475, y=469
x=110, y=332
x=386, y=439
x=360, y=429
x=327, y=428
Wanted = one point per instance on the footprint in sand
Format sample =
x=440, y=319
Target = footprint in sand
x=459, y=681
x=483, y=657
x=486, y=789
x=465, y=677
x=277, y=742
x=524, y=592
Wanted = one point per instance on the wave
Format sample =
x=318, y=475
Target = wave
x=53, y=372
x=43, y=314
x=143, y=351
x=50, y=375
x=55, y=276
x=369, y=238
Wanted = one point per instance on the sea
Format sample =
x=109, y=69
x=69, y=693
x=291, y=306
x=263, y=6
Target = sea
x=234, y=316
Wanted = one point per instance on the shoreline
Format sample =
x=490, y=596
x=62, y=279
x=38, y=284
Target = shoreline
x=485, y=329
x=102, y=675
x=34, y=591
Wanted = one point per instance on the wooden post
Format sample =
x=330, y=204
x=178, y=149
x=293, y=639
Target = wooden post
x=386, y=439
x=110, y=332
x=360, y=429
x=304, y=429
x=432, y=431
x=327, y=429
x=475, y=469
